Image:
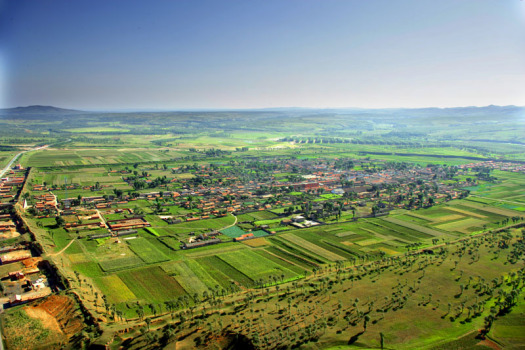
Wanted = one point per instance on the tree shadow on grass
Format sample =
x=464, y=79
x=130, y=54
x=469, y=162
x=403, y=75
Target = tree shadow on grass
x=354, y=338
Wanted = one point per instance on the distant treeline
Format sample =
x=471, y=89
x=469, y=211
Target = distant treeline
x=365, y=141
x=102, y=140
x=8, y=148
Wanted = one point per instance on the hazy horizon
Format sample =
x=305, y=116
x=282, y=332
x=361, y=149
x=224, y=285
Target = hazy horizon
x=206, y=55
x=211, y=109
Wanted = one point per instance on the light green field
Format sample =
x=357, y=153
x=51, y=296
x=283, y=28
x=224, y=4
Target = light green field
x=115, y=289
x=185, y=276
x=97, y=129
x=303, y=243
x=462, y=225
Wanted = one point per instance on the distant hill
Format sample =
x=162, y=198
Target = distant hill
x=38, y=110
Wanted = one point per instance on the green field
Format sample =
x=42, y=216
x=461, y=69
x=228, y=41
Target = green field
x=341, y=284
x=146, y=251
x=151, y=284
x=255, y=266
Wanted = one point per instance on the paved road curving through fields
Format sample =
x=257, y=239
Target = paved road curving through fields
x=8, y=166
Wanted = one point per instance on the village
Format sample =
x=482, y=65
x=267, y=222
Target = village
x=302, y=193
x=23, y=272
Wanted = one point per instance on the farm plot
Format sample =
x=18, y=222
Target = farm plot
x=51, y=157
x=213, y=250
x=257, y=242
x=170, y=242
x=367, y=242
x=326, y=240
x=301, y=242
x=116, y=290
x=204, y=225
x=295, y=250
x=382, y=247
x=465, y=212
x=78, y=258
x=387, y=231
x=88, y=269
x=412, y=215
x=146, y=251
x=262, y=215
x=446, y=218
x=224, y=271
x=268, y=222
x=186, y=277
x=233, y=232
x=211, y=281
x=289, y=256
x=255, y=266
x=413, y=226
x=120, y=264
x=152, y=284
x=281, y=261
x=493, y=210
x=345, y=234
x=463, y=226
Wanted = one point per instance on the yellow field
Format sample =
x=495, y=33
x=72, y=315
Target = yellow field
x=256, y=242
x=119, y=291
x=448, y=218
x=78, y=258
x=366, y=242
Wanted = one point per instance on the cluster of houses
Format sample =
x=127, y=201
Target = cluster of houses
x=10, y=185
x=214, y=191
x=493, y=165
x=21, y=275
x=220, y=192
x=314, y=188
x=20, y=272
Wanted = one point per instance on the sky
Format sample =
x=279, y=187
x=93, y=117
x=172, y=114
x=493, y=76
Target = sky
x=192, y=54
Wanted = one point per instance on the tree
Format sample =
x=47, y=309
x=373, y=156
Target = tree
x=118, y=192
x=59, y=221
x=140, y=312
x=153, y=309
x=366, y=319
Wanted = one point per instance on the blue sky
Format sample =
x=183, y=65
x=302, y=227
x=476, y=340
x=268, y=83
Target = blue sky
x=249, y=54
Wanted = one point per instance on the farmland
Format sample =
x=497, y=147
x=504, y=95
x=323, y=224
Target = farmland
x=317, y=235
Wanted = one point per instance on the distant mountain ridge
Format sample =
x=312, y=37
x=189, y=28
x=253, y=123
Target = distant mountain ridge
x=37, y=109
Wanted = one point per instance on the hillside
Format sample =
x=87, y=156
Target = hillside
x=37, y=109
